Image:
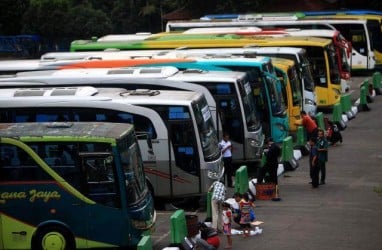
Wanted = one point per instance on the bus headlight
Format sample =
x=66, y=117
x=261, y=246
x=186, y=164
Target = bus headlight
x=145, y=224
x=216, y=172
x=309, y=102
x=255, y=143
x=281, y=127
x=337, y=92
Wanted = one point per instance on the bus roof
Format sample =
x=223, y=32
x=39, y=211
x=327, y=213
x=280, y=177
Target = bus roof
x=238, y=22
x=125, y=37
x=203, y=41
x=282, y=62
x=90, y=130
x=87, y=55
x=342, y=11
x=101, y=75
x=134, y=97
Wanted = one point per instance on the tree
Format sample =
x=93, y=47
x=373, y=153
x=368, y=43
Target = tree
x=11, y=12
x=85, y=22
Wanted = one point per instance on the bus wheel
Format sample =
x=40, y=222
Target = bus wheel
x=54, y=238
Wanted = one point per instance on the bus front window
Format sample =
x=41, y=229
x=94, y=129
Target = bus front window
x=207, y=132
x=333, y=66
x=307, y=75
x=132, y=167
x=275, y=97
x=295, y=86
x=248, y=99
x=345, y=65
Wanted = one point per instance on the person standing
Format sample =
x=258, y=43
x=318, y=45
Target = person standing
x=226, y=148
x=236, y=208
x=245, y=211
x=227, y=223
x=218, y=196
x=272, y=154
x=314, y=168
x=322, y=154
x=309, y=124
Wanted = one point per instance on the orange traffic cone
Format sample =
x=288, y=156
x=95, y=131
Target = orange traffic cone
x=277, y=197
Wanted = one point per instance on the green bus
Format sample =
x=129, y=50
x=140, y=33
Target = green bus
x=72, y=186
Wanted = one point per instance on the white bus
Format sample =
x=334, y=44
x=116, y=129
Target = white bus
x=354, y=30
x=233, y=96
x=293, y=53
x=184, y=157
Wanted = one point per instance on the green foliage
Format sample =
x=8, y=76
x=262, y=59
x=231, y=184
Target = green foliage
x=85, y=18
x=46, y=17
x=85, y=22
x=11, y=12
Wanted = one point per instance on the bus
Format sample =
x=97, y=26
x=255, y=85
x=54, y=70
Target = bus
x=236, y=21
x=321, y=54
x=82, y=185
x=298, y=55
x=287, y=73
x=320, y=51
x=274, y=119
x=342, y=46
x=183, y=157
x=355, y=31
x=11, y=67
x=233, y=98
x=373, y=26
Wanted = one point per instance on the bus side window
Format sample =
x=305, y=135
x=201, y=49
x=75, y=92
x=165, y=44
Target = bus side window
x=101, y=183
x=20, y=166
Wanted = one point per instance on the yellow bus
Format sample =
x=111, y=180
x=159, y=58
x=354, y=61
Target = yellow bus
x=287, y=73
x=320, y=51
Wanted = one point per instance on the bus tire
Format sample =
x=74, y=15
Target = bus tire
x=53, y=237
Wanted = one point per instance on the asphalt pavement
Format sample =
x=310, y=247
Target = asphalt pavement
x=345, y=213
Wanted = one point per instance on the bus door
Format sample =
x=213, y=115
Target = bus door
x=232, y=122
x=100, y=183
x=278, y=118
x=184, y=170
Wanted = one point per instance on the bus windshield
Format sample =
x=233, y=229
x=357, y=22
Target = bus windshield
x=306, y=74
x=345, y=65
x=133, y=170
x=207, y=130
x=276, y=100
x=295, y=86
x=249, y=106
x=333, y=66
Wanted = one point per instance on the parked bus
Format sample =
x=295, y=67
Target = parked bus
x=275, y=121
x=184, y=157
x=236, y=21
x=298, y=55
x=320, y=51
x=355, y=31
x=373, y=25
x=321, y=54
x=287, y=73
x=232, y=93
x=342, y=46
x=72, y=186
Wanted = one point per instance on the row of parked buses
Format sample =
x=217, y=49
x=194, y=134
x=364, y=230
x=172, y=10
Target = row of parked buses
x=181, y=90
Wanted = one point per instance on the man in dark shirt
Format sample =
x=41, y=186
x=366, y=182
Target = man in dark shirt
x=272, y=154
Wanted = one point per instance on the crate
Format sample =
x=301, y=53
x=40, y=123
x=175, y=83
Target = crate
x=265, y=191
